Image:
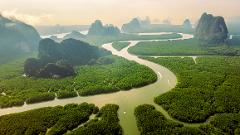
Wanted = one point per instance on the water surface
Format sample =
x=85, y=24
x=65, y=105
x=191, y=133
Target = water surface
x=127, y=100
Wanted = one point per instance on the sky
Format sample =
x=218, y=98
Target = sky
x=117, y=12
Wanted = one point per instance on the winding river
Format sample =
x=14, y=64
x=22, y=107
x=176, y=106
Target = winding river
x=127, y=100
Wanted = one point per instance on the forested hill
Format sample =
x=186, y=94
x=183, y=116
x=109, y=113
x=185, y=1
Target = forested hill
x=58, y=59
x=137, y=25
x=16, y=39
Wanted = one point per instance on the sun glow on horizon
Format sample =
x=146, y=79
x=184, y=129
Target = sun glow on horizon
x=117, y=12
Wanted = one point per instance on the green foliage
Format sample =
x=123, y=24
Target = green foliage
x=10, y=101
x=99, y=40
x=211, y=130
x=104, y=61
x=58, y=119
x=40, y=98
x=228, y=50
x=227, y=122
x=13, y=68
x=208, y=87
x=121, y=75
x=182, y=47
x=106, y=123
x=66, y=94
x=76, y=115
x=152, y=122
x=32, y=90
x=108, y=74
x=127, y=37
x=120, y=45
x=57, y=59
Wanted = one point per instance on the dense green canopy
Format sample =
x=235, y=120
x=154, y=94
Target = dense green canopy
x=58, y=59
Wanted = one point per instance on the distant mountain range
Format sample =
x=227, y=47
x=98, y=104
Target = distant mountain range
x=16, y=38
x=98, y=29
x=137, y=25
x=132, y=26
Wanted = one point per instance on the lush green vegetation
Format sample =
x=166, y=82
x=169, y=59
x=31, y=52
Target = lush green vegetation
x=19, y=89
x=66, y=94
x=40, y=98
x=53, y=120
x=120, y=75
x=99, y=40
x=211, y=86
x=6, y=58
x=120, y=45
x=152, y=122
x=13, y=68
x=226, y=123
x=150, y=37
x=182, y=47
x=107, y=74
x=105, y=123
x=70, y=119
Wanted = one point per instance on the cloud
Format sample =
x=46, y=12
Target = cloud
x=28, y=18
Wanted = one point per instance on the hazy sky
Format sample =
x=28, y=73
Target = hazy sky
x=68, y=12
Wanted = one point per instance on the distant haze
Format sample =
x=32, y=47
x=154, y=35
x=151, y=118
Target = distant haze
x=70, y=12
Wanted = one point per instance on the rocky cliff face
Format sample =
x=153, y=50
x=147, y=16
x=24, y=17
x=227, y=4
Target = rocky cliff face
x=75, y=52
x=211, y=29
x=133, y=26
x=98, y=29
x=57, y=59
